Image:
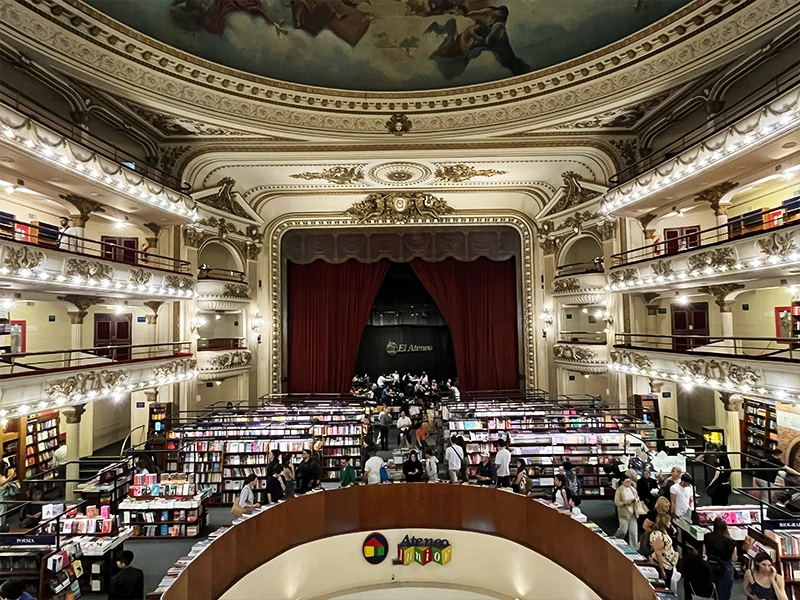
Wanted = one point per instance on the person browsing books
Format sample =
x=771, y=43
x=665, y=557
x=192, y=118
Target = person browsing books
x=502, y=461
x=372, y=468
x=245, y=504
x=128, y=584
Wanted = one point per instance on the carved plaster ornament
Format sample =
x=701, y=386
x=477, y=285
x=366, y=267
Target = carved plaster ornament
x=461, y=172
x=646, y=219
x=73, y=414
x=223, y=227
x=85, y=207
x=564, y=285
x=156, y=229
x=168, y=157
x=720, y=370
x=22, y=260
x=223, y=200
x=140, y=277
x=628, y=150
x=714, y=194
x=549, y=245
x=236, y=290
x=662, y=268
x=153, y=305
x=574, y=194
x=720, y=293
x=178, y=283
x=175, y=367
x=399, y=207
x=339, y=175
x=712, y=260
x=192, y=236
x=732, y=402
x=605, y=230
x=631, y=359
x=573, y=353
x=623, y=276
x=778, y=245
x=83, y=269
x=99, y=382
x=82, y=303
x=231, y=360
x=398, y=124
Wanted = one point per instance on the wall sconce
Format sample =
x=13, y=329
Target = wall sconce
x=195, y=325
x=258, y=322
x=546, y=316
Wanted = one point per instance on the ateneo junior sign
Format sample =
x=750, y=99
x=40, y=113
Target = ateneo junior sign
x=393, y=348
x=411, y=550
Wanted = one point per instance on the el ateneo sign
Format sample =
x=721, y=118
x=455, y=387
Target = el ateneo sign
x=393, y=348
x=410, y=550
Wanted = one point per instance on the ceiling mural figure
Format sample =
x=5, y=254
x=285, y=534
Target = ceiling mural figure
x=388, y=45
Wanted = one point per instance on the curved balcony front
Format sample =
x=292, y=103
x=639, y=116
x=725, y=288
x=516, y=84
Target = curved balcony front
x=580, y=289
x=222, y=291
x=238, y=555
x=219, y=359
x=582, y=353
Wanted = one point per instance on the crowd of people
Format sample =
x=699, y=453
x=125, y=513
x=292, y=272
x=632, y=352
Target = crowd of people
x=392, y=388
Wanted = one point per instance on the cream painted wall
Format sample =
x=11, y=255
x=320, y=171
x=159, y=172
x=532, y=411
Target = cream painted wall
x=334, y=566
x=111, y=421
x=227, y=390
x=226, y=326
x=759, y=320
x=756, y=198
x=595, y=385
x=701, y=216
x=579, y=321
x=696, y=408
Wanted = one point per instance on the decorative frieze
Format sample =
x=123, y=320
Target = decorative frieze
x=175, y=368
x=631, y=360
x=663, y=268
x=140, y=277
x=721, y=371
x=461, y=172
x=237, y=359
x=21, y=260
x=778, y=246
x=565, y=352
x=565, y=285
x=338, y=175
x=87, y=385
x=236, y=290
x=711, y=261
x=178, y=283
x=81, y=269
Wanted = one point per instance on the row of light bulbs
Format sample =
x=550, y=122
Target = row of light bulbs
x=751, y=139
x=688, y=381
x=115, y=393
x=159, y=199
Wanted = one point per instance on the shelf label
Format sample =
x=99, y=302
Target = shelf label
x=11, y=539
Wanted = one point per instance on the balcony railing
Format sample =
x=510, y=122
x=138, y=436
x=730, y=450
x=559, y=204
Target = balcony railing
x=49, y=236
x=582, y=337
x=753, y=222
x=759, y=348
x=771, y=90
x=206, y=272
x=221, y=343
x=592, y=266
x=38, y=363
x=39, y=113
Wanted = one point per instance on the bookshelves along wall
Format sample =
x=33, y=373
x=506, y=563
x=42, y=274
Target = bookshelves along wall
x=545, y=438
x=41, y=441
x=760, y=430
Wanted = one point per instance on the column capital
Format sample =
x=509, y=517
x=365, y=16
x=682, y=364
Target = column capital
x=82, y=303
x=153, y=305
x=731, y=402
x=151, y=395
x=73, y=414
x=656, y=385
x=645, y=220
x=85, y=208
x=721, y=293
x=714, y=194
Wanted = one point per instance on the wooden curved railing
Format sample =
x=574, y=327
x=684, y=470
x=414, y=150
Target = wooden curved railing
x=301, y=520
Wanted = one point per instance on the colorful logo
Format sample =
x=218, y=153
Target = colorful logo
x=375, y=548
x=423, y=551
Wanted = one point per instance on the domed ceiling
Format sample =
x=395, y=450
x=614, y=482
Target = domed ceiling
x=388, y=45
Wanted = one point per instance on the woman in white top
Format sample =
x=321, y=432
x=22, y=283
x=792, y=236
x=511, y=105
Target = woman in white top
x=404, y=435
x=625, y=498
x=245, y=504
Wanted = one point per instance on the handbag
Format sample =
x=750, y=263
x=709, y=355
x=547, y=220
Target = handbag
x=694, y=596
x=640, y=508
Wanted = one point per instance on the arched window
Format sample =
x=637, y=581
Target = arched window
x=582, y=254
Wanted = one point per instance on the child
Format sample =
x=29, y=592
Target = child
x=575, y=513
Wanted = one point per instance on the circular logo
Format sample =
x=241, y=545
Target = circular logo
x=391, y=348
x=375, y=548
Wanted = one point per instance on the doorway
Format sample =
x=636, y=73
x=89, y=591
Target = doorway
x=111, y=329
x=689, y=320
x=678, y=239
x=123, y=248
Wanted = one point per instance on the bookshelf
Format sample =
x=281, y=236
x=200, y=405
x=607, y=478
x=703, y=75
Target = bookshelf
x=41, y=441
x=159, y=419
x=784, y=548
x=546, y=435
x=760, y=430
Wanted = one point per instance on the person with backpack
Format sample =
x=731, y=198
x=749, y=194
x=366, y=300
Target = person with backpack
x=453, y=455
x=573, y=482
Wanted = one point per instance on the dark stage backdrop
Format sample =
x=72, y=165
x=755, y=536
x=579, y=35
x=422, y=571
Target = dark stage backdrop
x=413, y=348
x=328, y=309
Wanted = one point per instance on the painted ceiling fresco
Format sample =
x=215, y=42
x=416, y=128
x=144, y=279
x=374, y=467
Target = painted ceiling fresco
x=388, y=45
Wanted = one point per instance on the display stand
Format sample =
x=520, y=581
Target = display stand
x=165, y=508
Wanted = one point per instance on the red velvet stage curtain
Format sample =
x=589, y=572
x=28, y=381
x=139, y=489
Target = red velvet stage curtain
x=478, y=299
x=328, y=309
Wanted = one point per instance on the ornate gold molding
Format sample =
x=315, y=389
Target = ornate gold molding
x=339, y=175
x=461, y=172
x=399, y=207
x=521, y=223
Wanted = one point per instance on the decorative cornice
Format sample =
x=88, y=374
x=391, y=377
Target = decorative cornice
x=86, y=384
x=714, y=194
x=76, y=32
x=573, y=193
x=399, y=207
x=223, y=200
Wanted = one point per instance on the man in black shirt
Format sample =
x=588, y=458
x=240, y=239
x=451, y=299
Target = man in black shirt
x=128, y=584
x=486, y=473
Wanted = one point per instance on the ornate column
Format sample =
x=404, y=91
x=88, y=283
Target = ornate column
x=72, y=428
x=547, y=375
x=732, y=406
x=192, y=238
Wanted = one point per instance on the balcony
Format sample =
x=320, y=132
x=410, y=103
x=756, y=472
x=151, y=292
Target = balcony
x=761, y=242
x=62, y=150
x=36, y=381
x=37, y=256
x=584, y=353
x=221, y=290
x=219, y=360
x=585, y=288
x=753, y=365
